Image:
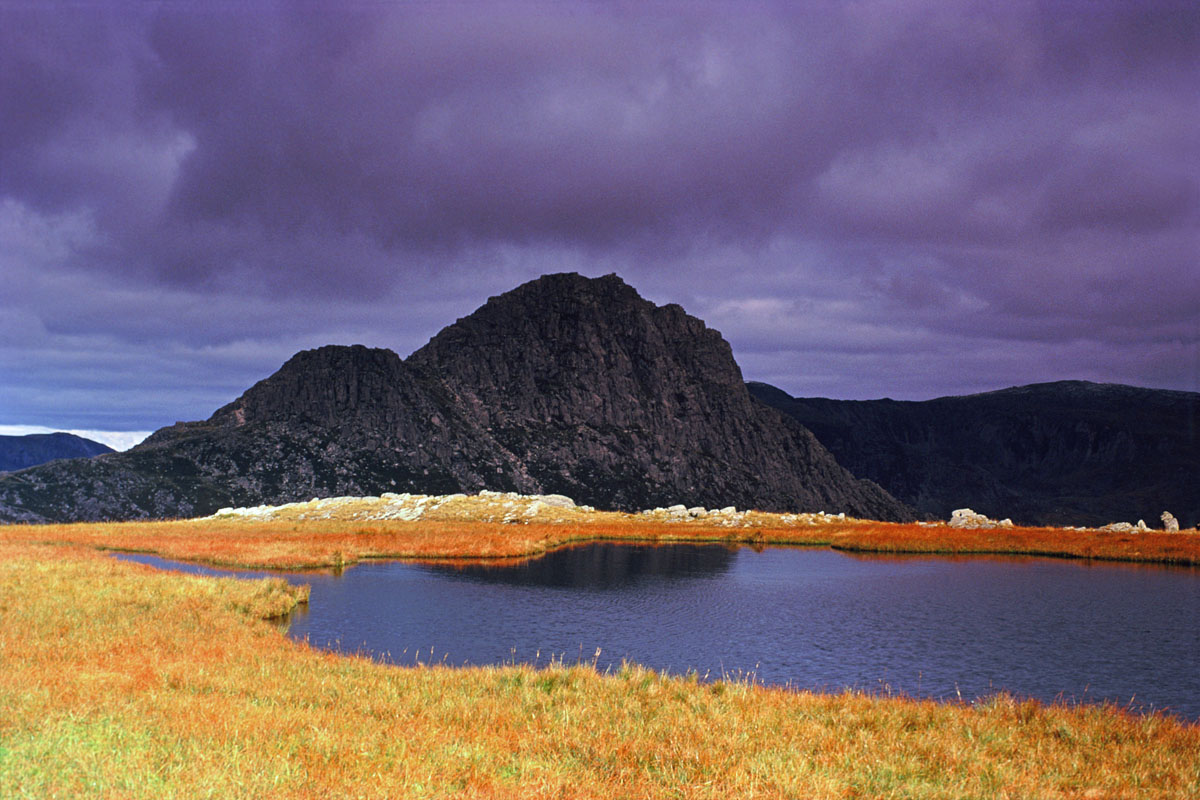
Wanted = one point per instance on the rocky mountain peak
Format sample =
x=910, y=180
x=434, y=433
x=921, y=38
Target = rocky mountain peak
x=580, y=350
x=564, y=385
x=605, y=396
x=332, y=386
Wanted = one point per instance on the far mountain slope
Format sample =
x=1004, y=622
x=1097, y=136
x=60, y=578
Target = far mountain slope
x=19, y=452
x=1069, y=452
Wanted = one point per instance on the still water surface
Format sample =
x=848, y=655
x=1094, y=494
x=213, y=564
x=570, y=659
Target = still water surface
x=808, y=618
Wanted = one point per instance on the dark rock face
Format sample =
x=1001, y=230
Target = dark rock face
x=608, y=398
x=347, y=420
x=19, y=452
x=564, y=385
x=1065, y=453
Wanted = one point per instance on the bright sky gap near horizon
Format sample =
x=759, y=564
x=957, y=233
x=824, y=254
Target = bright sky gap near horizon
x=877, y=198
x=117, y=440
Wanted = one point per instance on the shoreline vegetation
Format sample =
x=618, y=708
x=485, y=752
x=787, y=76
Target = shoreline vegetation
x=120, y=680
x=339, y=532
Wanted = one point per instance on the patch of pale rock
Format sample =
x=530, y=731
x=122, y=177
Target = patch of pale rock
x=1170, y=525
x=391, y=505
x=967, y=519
x=559, y=501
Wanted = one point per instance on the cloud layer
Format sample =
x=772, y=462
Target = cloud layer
x=882, y=197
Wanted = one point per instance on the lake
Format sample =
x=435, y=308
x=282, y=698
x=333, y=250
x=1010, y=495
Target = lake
x=805, y=618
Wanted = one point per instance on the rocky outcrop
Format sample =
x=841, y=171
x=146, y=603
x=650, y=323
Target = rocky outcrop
x=1065, y=453
x=972, y=520
x=566, y=385
x=344, y=420
x=607, y=397
x=19, y=452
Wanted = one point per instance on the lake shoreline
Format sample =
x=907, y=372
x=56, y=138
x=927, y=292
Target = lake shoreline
x=801, y=617
x=124, y=679
x=290, y=543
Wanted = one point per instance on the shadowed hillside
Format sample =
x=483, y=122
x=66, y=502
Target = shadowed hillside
x=1065, y=453
x=19, y=452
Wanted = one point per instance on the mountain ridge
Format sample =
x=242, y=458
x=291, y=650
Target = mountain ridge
x=1062, y=452
x=565, y=384
x=30, y=450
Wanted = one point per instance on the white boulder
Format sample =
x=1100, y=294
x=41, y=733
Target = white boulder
x=967, y=519
x=556, y=500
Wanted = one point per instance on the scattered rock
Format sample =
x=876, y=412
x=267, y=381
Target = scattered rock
x=1170, y=524
x=1120, y=527
x=967, y=519
x=556, y=500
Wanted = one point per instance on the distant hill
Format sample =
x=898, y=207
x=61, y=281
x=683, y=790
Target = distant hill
x=564, y=385
x=1063, y=453
x=19, y=452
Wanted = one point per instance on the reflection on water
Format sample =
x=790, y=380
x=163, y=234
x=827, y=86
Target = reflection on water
x=807, y=618
x=598, y=566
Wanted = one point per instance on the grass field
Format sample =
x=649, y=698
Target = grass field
x=117, y=680
x=299, y=544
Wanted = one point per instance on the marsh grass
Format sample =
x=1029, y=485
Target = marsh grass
x=292, y=544
x=1149, y=546
x=335, y=543
x=117, y=680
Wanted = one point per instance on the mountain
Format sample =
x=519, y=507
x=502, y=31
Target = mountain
x=1064, y=453
x=565, y=385
x=602, y=394
x=19, y=452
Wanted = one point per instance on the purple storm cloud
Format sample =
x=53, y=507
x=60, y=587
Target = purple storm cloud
x=871, y=198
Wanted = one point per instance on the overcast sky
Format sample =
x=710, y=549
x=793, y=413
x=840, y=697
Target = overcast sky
x=874, y=198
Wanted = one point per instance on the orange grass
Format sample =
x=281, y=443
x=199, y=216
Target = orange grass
x=1154, y=546
x=335, y=543
x=120, y=681
x=332, y=543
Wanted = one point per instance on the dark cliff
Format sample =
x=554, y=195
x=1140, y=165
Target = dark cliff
x=339, y=420
x=605, y=396
x=565, y=384
x=1065, y=453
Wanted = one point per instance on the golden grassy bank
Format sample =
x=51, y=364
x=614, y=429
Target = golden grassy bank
x=326, y=543
x=120, y=681
x=1149, y=546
